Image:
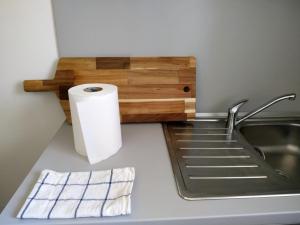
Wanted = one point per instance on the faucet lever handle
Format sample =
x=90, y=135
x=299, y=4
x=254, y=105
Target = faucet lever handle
x=232, y=115
x=236, y=107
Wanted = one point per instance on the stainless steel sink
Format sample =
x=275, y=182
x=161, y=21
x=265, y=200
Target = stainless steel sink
x=279, y=143
x=260, y=158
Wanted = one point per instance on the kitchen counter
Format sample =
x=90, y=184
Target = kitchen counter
x=154, y=199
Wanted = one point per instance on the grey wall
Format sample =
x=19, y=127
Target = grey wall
x=244, y=48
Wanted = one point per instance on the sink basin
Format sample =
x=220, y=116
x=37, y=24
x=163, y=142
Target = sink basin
x=279, y=143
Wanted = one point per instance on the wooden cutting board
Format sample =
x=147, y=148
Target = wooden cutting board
x=151, y=89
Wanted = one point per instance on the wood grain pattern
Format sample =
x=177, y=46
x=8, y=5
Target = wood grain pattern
x=171, y=63
x=130, y=118
x=129, y=108
x=76, y=64
x=151, y=89
x=112, y=63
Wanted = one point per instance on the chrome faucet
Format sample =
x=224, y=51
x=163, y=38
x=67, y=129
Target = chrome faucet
x=233, y=111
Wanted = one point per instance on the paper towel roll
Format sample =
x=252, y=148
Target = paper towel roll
x=95, y=120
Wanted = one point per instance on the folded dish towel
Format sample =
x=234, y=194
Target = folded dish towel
x=80, y=194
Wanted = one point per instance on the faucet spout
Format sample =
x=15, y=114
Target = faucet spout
x=232, y=119
x=290, y=97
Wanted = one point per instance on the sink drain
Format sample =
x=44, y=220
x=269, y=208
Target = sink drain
x=260, y=152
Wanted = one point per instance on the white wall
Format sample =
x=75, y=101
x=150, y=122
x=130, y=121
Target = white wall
x=27, y=120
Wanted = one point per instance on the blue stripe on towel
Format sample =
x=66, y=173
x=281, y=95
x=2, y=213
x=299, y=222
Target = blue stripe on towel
x=99, y=183
x=75, y=215
x=34, y=195
x=108, y=189
x=78, y=199
x=58, y=196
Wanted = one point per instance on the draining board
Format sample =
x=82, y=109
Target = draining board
x=210, y=164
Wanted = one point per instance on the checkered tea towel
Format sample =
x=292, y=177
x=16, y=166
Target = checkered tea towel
x=80, y=194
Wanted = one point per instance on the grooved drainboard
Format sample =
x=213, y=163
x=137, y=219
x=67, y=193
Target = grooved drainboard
x=208, y=163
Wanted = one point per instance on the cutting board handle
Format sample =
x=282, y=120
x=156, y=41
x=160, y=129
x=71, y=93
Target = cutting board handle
x=40, y=85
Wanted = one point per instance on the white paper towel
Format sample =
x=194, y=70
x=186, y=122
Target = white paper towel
x=95, y=120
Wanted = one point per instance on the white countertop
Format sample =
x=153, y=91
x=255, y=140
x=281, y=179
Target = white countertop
x=154, y=199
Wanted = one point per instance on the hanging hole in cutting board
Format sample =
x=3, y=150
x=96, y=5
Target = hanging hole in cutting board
x=186, y=89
